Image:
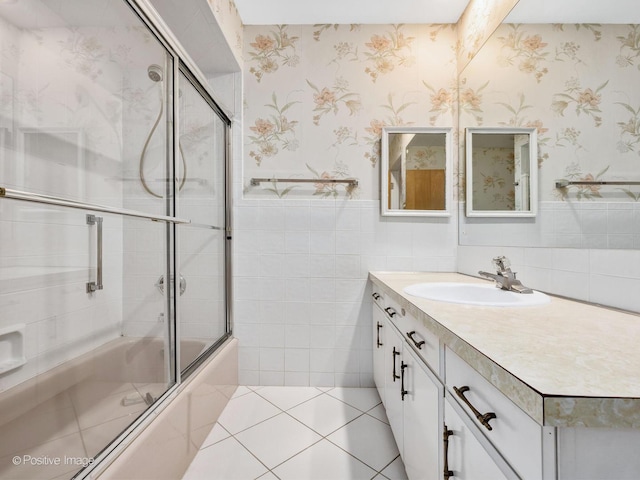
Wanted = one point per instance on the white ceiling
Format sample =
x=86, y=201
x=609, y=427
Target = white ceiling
x=273, y=12
x=305, y=12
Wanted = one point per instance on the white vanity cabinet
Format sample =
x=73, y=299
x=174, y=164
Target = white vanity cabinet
x=393, y=401
x=496, y=423
x=379, y=332
x=468, y=455
x=422, y=419
x=480, y=378
x=412, y=396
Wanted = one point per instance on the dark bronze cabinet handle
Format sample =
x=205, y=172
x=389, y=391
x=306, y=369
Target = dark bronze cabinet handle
x=417, y=344
x=395, y=353
x=483, y=418
x=391, y=312
x=375, y=295
x=445, y=441
x=378, y=327
x=403, y=392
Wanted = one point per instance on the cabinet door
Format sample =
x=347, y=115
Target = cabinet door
x=379, y=331
x=467, y=456
x=423, y=417
x=393, y=346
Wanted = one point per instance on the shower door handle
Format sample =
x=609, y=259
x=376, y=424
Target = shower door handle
x=97, y=285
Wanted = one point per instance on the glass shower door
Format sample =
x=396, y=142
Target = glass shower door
x=202, y=146
x=85, y=333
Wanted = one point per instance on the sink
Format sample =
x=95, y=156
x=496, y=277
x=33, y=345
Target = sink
x=475, y=294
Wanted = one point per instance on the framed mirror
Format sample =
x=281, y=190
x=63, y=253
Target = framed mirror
x=416, y=172
x=502, y=172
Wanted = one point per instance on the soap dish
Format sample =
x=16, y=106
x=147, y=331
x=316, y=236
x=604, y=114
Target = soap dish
x=12, y=347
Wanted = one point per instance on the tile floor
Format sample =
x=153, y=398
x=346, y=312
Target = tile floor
x=300, y=433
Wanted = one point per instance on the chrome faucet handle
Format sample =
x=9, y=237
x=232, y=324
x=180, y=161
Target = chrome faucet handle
x=502, y=264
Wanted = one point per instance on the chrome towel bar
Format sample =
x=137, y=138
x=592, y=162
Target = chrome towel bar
x=566, y=183
x=350, y=181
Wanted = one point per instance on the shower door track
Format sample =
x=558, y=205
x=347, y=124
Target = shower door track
x=65, y=202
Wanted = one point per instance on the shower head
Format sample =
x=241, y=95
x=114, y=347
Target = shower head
x=155, y=72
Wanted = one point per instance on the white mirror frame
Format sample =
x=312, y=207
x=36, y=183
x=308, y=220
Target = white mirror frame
x=384, y=168
x=533, y=173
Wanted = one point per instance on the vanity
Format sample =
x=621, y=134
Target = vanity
x=474, y=392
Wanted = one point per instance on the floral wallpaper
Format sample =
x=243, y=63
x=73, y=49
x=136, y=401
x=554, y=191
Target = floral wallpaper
x=426, y=158
x=493, y=178
x=578, y=86
x=317, y=97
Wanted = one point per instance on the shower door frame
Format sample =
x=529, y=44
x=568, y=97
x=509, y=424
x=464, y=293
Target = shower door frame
x=181, y=63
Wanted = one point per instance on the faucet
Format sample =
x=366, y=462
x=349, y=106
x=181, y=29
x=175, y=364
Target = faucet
x=505, y=278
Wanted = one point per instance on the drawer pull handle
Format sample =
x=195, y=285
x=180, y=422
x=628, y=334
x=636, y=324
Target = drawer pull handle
x=403, y=392
x=395, y=353
x=417, y=344
x=378, y=327
x=482, y=418
x=391, y=312
x=376, y=296
x=445, y=440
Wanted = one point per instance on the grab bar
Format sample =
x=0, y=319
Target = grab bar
x=350, y=181
x=65, y=202
x=97, y=285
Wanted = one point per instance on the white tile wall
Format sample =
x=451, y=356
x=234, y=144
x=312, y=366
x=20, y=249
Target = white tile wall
x=302, y=303
x=43, y=284
x=613, y=225
x=604, y=276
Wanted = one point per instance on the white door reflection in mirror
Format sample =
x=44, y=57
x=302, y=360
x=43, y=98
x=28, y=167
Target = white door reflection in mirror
x=416, y=173
x=501, y=172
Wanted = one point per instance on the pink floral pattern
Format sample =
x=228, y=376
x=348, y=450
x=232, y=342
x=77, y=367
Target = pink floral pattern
x=526, y=50
x=271, y=51
x=267, y=134
x=388, y=51
x=586, y=100
x=327, y=100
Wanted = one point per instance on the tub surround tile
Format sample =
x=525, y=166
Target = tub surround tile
x=530, y=353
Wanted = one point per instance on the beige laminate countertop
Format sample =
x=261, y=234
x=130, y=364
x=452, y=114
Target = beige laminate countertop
x=565, y=363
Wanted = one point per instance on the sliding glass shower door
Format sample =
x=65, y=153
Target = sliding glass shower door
x=112, y=229
x=202, y=152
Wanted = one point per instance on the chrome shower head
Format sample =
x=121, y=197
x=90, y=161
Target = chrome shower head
x=155, y=72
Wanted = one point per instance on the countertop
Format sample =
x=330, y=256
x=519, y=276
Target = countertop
x=566, y=363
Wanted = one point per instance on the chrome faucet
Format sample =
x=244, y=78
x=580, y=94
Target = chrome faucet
x=505, y=278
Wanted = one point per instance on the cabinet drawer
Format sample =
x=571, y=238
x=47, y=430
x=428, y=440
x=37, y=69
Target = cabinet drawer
x=423, y=342
x=515, y=435
x=378, y=296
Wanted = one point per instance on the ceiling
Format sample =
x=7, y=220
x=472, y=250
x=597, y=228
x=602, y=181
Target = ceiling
x=303, y=12
x=273, y=12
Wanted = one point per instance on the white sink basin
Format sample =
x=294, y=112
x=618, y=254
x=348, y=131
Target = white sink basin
x=475, y=294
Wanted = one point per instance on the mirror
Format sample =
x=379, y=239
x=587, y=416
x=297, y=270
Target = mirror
x=415, y=171
x=577, y=83
x=500, y=179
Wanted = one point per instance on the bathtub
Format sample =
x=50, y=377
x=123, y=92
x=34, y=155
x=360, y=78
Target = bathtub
x=56, y=423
